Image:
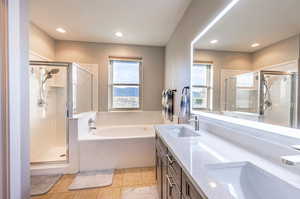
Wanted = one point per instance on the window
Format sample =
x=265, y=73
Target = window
x=201, y=86
x=245, y=80
x=125, y=84
x=246, y=92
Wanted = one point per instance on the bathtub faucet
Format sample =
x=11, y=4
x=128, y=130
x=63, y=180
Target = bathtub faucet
x=91, y=124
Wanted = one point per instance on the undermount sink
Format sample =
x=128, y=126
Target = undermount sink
x=244, y=180
x=182, y=132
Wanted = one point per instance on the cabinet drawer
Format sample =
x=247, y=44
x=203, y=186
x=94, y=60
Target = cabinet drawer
x=173, y=191
x=174, y=170
x=189, y=191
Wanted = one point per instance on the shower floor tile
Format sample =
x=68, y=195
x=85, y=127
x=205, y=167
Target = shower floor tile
x=122, y=180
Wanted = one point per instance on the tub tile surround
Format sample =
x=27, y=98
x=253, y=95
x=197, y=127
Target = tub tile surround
x=101, y=154
x=117, y=147
x=82, y=121
x=225, y=146
x=116, y=118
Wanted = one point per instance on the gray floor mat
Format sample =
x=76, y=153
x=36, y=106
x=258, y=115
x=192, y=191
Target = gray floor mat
x=92, y=179
x=43, y=183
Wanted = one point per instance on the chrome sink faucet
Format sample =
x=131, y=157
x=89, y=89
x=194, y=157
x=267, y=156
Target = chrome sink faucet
x=91, y=124
x=196, y=122
x=292, y=160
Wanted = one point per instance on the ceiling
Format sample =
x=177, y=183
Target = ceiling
x=142, y=22
x=254, y=21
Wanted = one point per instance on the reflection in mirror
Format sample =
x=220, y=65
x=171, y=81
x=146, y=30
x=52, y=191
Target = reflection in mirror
x=246, y=65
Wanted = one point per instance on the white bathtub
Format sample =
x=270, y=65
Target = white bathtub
x=117, y=147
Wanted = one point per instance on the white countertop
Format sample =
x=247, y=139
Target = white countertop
x=194, y=153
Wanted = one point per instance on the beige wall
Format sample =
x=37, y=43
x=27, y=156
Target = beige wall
x=178, y=52
x=153, y=66
x=41, y=43
x=225, y=59
x=98, y=53
x=280, y=52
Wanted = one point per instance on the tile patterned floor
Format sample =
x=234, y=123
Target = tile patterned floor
x=123, y=178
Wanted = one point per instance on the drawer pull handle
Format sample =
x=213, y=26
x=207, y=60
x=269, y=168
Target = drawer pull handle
x=171, y=184
x=170, y=160
x=170, y=181
x=187, y=188
x=172, y=168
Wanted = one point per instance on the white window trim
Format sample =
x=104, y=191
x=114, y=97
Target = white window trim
x=209, y=86
x=111, y=84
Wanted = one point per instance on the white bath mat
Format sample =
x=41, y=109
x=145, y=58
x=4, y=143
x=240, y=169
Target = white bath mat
x=92, y=179
x=140, y=193
x=42, y=184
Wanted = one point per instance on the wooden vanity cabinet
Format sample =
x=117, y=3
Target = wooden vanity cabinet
x=172, y=182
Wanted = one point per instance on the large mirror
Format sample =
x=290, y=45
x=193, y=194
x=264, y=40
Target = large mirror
x=246, y=65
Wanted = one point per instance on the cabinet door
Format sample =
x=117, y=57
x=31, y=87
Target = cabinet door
x=173, y=191
x=164, y=166
x=158, y=173
x=189, y=191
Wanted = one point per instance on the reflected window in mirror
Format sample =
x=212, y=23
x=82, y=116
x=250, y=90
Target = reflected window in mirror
x=201, y=86
x=241, y=93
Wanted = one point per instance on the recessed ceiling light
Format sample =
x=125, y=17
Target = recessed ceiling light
x=255, y=45
x=119, y=34
x=214, y=41
x=61, y=30
x=212, y=184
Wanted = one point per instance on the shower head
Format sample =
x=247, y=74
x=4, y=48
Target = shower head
x=53, y=71
x=50, y=73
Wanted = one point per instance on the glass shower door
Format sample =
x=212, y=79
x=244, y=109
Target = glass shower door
x=48, y=116
x=277, y=98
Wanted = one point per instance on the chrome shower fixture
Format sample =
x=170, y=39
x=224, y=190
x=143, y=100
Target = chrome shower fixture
x=43, y=93
x=49, y=74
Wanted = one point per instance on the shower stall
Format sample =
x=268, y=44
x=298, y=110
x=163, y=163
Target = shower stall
x=266, y=96
x=58, y=90
x=278, y=97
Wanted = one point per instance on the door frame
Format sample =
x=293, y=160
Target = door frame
x=14, y=96
x=4, y=152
